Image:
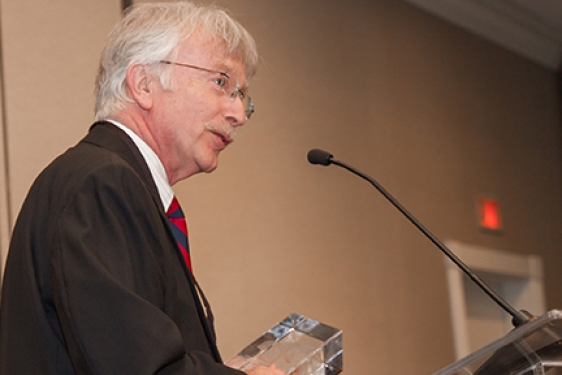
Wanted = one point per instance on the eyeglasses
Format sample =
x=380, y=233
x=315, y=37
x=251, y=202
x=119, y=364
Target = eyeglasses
x=225, y=85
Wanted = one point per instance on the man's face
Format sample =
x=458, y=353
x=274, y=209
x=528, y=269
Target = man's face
x=194, y=121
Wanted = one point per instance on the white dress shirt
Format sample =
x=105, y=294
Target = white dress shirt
x=154, y=165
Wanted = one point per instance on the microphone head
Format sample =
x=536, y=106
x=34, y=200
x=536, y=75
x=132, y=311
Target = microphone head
x=316, y=156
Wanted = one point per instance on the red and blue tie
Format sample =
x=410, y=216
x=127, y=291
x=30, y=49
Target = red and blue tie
x=179, y=228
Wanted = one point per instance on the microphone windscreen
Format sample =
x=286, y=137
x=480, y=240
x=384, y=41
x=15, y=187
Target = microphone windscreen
x=316, y=156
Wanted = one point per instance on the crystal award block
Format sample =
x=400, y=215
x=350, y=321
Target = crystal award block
x=297, y=345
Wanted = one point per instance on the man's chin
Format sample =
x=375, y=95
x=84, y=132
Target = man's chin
x=210, y=167
x=207, y=162
x=209, y=170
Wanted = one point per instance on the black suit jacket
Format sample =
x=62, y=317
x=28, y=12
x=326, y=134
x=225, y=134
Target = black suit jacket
x=95, y=282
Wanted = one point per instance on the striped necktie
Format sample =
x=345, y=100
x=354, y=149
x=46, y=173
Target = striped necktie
x=179, y=228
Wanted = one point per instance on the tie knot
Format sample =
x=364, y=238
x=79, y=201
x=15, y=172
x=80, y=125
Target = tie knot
x=179, y=229
x=175, y=211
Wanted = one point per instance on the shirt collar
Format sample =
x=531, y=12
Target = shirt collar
x=154, y=165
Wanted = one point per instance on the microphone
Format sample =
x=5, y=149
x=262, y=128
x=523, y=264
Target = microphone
x=317, y=156
x=508, y=359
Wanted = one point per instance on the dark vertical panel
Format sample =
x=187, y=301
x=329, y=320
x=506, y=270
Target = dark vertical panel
x=560, y=95
x=125, y=4
x=559, y=78
x=559, y=75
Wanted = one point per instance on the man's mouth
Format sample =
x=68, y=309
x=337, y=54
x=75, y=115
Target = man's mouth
x=224, y=138
x=224, y=133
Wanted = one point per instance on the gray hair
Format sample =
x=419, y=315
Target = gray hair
x=149, y=33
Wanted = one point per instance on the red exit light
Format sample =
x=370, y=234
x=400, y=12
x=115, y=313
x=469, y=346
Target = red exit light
x=489, y=216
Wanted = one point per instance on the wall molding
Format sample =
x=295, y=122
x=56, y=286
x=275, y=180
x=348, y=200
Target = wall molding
x=504, y=23
x=528, y=295
x=5, y=205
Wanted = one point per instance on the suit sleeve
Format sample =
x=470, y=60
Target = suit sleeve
x=111, y=284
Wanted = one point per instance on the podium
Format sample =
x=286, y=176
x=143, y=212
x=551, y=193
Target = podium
x=297, y=345
x=533, y=348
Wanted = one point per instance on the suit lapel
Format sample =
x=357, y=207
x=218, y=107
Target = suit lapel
x=107, y=135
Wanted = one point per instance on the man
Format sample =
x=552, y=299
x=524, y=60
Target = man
x=96, y=280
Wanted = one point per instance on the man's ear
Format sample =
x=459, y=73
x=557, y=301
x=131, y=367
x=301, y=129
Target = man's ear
x=140, y=85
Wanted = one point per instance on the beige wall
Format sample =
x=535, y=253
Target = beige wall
x=436, y=115
x=50, y=51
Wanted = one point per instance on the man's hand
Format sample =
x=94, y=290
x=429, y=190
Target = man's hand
x=261, y=370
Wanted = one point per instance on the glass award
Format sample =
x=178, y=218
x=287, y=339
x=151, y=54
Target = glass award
x=297, y=345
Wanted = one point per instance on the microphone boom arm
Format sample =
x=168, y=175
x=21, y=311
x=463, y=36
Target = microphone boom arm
x=519, y=317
